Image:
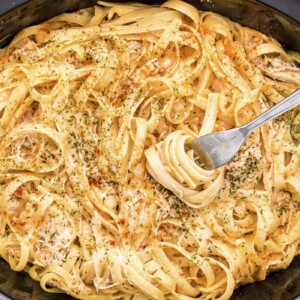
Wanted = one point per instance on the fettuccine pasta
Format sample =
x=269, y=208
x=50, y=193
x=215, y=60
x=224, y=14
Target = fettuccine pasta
x=101, y=196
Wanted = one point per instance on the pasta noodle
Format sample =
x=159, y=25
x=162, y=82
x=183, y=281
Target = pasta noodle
x=101, y=196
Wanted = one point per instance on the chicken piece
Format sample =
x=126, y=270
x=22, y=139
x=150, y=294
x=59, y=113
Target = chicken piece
x=246, y=168
x=163, y=128
x=251, y=39
x=278, y=69
x=135, y=49
x=25, y=47
x=138, y=211
x=54, y=238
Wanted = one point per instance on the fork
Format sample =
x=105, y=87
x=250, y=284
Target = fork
x=218, y=148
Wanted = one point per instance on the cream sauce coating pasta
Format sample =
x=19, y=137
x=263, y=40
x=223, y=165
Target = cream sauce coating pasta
x=101, y=196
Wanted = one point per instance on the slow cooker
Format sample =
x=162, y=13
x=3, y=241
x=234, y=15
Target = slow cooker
x=277, y=18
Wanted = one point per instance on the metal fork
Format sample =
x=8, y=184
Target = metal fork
x=218, y=148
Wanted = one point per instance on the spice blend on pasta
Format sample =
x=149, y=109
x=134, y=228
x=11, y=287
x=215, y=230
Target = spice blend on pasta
x=101, y=197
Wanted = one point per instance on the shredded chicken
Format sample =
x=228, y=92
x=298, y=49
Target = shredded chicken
x=245, y=169
x=276, y=68
x=54, y=237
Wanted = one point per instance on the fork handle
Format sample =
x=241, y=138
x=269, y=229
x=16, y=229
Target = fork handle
x=281, y=107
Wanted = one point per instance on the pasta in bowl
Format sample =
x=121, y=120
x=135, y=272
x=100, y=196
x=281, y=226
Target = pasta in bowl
x=101, y=195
